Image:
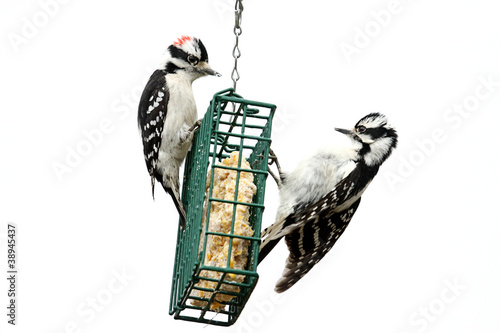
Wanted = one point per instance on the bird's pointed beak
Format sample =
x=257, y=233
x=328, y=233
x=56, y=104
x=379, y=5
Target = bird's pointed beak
x=205, y=69
x=345, y=131
x=212, y=72
x=350, y=133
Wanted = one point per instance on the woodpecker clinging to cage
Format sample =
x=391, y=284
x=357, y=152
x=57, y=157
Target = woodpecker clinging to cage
x=167, y=113
x=320, y=197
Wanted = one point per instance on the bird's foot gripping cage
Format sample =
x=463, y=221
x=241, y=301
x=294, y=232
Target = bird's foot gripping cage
x=216, y=257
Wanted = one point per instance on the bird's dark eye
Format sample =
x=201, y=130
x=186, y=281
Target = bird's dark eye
x=192, y=59
x=361, y=129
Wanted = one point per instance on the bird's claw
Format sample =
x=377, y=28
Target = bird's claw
x=273, y=159
x=188, y=134
x=196, y=126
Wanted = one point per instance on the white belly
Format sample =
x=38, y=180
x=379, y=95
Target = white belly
x=181, y=115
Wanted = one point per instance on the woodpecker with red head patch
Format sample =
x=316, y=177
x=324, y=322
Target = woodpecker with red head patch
x=167, y=114
x=319, y=198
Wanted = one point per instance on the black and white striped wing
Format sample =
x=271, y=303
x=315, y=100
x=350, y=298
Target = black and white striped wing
x=308, y=213
x=316, y=228
x=151, y=118
x=309, y=243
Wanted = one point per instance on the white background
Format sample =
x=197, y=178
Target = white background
x=422, y=252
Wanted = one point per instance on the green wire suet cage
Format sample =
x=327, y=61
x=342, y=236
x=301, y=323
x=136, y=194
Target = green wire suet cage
x=230, y=124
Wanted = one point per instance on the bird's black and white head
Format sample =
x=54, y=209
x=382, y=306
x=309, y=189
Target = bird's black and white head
x=188, y=56
x=376, y=138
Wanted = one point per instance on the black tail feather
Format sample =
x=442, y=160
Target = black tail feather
x=178, y=204
x=153, y=186
x=267, y=248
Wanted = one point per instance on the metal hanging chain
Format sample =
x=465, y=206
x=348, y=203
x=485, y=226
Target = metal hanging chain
x=238, y=10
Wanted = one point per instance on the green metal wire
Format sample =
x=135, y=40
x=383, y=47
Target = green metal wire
x=231, y=123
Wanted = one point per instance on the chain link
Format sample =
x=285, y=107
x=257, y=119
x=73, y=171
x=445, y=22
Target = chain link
x=238, y=10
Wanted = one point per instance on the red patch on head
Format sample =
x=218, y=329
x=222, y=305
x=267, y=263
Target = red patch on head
x=182, y=40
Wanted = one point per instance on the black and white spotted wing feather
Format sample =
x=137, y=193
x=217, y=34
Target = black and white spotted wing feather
x=309, y=243
x=151, y=118
x=315, y=228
